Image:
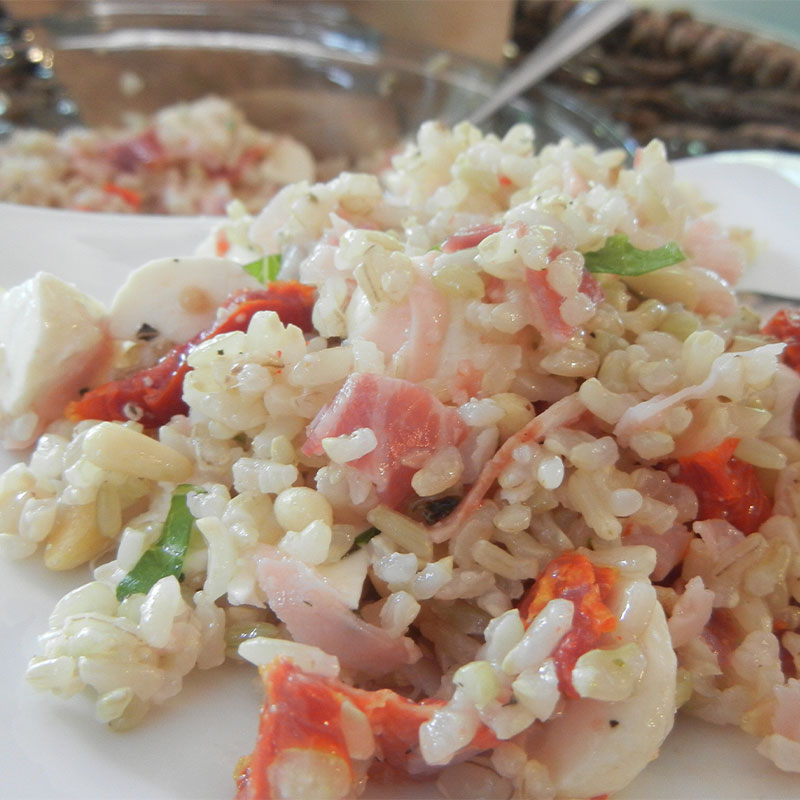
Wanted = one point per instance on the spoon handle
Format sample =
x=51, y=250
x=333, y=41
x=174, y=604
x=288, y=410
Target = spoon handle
x=587, y=23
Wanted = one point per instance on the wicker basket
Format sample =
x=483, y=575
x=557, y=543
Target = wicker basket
x=698, y=87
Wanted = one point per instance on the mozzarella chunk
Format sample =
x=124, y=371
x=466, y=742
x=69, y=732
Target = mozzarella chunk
x=53, y=341
x=179, y=297
x=347, y=577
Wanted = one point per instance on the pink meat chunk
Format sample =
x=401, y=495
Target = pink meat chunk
x=545, y=303
x=314, y=614
x=469, y=237
x=408, y=421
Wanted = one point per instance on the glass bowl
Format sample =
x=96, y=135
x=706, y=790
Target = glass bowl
x=303, y=69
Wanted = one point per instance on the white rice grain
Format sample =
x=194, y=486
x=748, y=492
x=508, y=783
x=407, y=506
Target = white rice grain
x=609, y=675
x=441, y=472
x=481, y=413
x=396, y=569
x=433, y=577
x=112, y=705
x=502, y=634
x=536, y=687
x=513, y=518
x=398, y=612
x=310, y=545
x=37, y=518
x=222, y=556
x=93, y=597
x=350, y=447
x=501, y=562
x=159, y=610
x=540, y=638
x=261, y=651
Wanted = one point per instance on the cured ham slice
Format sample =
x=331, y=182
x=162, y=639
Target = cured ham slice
x=562, y=412
x=409, y=424
x=411, y=332
x=314, y=614
x=670, y=546
x=469, y=237
x=545, y=303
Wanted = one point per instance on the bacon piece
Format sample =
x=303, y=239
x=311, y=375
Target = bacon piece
x=545, y=306
x=562, y=412
x=670, y=546
x=315, y=614
x=591, y=288
x=545, y=303
x=412, y=332
x=407, y=420
x=786, y=717
x=469, y=237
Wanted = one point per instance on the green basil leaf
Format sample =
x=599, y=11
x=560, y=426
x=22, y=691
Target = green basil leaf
x=363, y=538
x=273, y=266
x=264, y=269
x=619, y=257
x=256, y=269
x=166, y=556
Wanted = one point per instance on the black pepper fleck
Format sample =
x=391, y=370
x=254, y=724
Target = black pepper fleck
x=146, y=333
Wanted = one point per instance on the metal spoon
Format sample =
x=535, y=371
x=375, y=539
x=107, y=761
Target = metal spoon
x=587, y=23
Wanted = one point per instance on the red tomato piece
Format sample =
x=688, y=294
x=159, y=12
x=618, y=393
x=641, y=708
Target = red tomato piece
x=298, y=715
x=130, y=196
x=785, y=326
x=223, y=245
x=573, y=577
x=153, y=395
x=303, y=712
x=726, y=487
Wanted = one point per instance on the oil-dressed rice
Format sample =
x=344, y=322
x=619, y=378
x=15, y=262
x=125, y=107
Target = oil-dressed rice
x=401, y=497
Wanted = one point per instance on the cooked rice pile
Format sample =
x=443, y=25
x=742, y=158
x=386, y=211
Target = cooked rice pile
x=459, y=272
x=190, y=158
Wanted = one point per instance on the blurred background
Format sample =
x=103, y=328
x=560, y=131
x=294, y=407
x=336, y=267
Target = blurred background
x=702, y=75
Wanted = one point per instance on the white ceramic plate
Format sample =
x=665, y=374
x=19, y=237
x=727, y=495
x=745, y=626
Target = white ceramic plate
x=187, y=749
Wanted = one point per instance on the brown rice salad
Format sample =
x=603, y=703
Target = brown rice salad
x=189, y=158
x=482, y=464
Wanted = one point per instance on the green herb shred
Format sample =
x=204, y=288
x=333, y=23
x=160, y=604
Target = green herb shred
x=264, y=269
x=273, y=266
x=619, y=257
x=256, y=269
x=166, y=556
x=363, y=538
